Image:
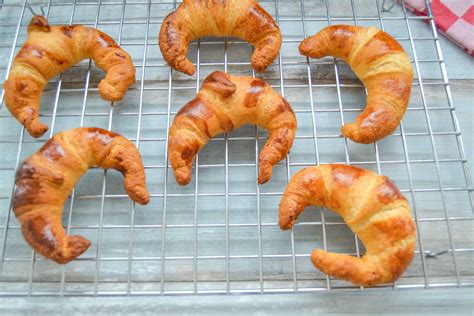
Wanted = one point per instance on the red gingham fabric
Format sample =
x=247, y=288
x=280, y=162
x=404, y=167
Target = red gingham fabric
x=454, y=18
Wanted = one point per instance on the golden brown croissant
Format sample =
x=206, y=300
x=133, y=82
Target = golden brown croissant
x=380, y=63
x=48, y=51
x=45, y=180
x=193, y=19
x=224, y=103
x=371, y=205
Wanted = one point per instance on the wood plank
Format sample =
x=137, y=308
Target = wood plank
x=406, y=302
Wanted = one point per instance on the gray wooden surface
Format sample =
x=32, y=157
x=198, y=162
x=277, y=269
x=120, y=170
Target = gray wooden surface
x=405, y=302
x=243, y=241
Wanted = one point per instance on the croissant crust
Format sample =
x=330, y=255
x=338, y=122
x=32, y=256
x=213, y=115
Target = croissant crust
x=380, y=63
x=374, y=209
x=44, y=181
x=193, y=19
x=48, y=51
x=225, y=103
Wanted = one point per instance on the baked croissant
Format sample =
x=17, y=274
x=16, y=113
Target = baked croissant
x=371, y=205
x=380, y=63
x=193, y=19
x=48, y=51
x=45, y=180
x=225, y=103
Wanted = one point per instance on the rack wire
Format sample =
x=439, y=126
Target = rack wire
x=219, y=235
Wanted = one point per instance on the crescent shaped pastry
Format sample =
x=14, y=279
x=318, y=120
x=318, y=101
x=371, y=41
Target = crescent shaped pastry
x=48, y=51
x=193, y=19
x=225, y=103
x=45, y=180
x=374, y=209
x=380, y=63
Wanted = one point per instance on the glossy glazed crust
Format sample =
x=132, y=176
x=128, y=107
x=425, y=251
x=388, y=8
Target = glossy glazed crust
x=48, y=51
x=371, y=205
x=193, y=19
x=380, y=63
x=225, y=103
x=45, y=180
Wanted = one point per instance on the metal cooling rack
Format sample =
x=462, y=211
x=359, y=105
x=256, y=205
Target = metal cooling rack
x=220, y=233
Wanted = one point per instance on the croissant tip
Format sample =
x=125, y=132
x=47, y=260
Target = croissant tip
x=316, y=252
x=265, y=172
x=183, y=175
x=259, y=65
x=189, y=72
x=37, y=129
x=302, y=47
x=284, y=225
x=62, y=260
x=183, y=182
x=77, y=246
x=316, y=257
x=286, y=222
x=259, y=68
x=351, y=132
x=145, y=200
x=185, y=67
x=39, y=21
x=110, y=93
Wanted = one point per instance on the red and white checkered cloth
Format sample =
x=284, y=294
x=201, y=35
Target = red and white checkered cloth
x=454, y=18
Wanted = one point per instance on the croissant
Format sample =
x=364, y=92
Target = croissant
x=380, y=63
x=48, y=51
x=193, y=19
x=374, y=209
x=224, y=103
x=44, y=181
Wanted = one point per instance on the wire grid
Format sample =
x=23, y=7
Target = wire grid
x=220, y=234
